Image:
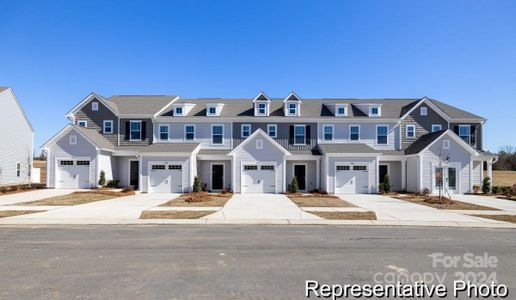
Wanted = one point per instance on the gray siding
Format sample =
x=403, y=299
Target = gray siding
x=478, y=133
x=17, y=141
x=202, y=134
x=282, y=135
x=204, y=170
x=96, y=119
x=423, y=124
x=367, y=134
x=124, y=138
x=311, y=171
x=122, y=169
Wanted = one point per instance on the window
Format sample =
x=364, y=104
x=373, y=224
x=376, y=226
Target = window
x=354, y=132
x=359, y=168
x=452, y=178
x=66, y=163
x=73, y=140
x=94, y=106
x=272, y=130
x=217, y=132
x=108, y=126
x=381, y=134
x=341, y=110
x=446, y=144
x=375, y=111
x=83, y=162
x=342, y=168
x=163, y=132
x=423, y=111
x=262, y=108
x=438, y=176
x=82, y=123
x=246, y=130
x=175, y=167
x=267, y=168
x=437, y=127
x=292, y=109
x=18, y=169
x=212, y=111
x=328, y=132
x=410, y=131
x=465, y=133
x=250, y=167
x=158, y=167
x=179, y=111
x=299, y=134
x=189, y=132
x=135, y=129
x=259, y=144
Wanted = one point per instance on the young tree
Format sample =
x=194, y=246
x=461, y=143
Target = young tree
x=197, y=184
x=486, y=185
x=294, y=185
x=102, y=179
x=386, y=184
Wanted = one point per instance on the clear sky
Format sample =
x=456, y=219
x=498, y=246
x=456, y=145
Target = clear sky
x=54, y=53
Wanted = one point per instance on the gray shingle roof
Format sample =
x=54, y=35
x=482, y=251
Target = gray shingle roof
x=454, y=112
x=94, y=136
x=422, y=142
x=162, y=147
x=347, y=148
x=213, y=152
x=129, y=104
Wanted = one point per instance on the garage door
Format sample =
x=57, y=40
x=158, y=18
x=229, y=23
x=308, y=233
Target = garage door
x=166, y=178
x=259, y=178
x=351, y=179
x=73, y=174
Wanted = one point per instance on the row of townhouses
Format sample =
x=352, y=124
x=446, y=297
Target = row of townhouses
x=158, y=144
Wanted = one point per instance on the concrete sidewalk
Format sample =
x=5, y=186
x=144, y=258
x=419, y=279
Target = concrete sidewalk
x=505, y=205
x=261, y=207
x=34, y=195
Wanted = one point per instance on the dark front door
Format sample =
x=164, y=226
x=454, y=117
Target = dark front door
x=217, y=177
x=300, y=174
x=133, y=174
x=383, y=171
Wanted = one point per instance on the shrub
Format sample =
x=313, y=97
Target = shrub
x=198, y=185
x=386, y=185
x=102, y=180
x=476, y=188
x=294, y=185
x=425, y=192
x=495, y=189
x=486, y=185
x=112, y=183
x=504, y=189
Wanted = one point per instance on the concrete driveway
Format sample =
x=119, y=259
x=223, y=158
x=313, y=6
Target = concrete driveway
x=34, y=195
x=390, y=209
x=506, y=205
x=263, y=207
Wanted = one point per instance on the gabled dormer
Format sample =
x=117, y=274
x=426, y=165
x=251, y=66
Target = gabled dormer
x=214, y=109
x=262, y=104
x=338, y=109
x=292, y=105
x=370, y=109
x=181, y=109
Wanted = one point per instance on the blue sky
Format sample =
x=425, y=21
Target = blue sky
x=54, y=53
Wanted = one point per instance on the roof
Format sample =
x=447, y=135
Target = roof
x=454, y=112
x=161, y=147
x=421, y=143
x=133, y=104
x=95, y=137
x=313, y=151
x=213, y=152
x=348, y=148
x=3, y=88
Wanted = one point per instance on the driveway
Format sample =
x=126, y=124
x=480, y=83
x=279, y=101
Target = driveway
x=34, y=195
x=506, y=205
x=106, y=211
x=261, y=206
x=390, y=209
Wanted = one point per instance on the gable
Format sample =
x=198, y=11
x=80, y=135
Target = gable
x=12, y=107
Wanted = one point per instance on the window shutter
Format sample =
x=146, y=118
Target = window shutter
x=308, y=134
x=127, y=130
x=473, y=133
x=291, y=136
x=144, y=130
x=456, y=129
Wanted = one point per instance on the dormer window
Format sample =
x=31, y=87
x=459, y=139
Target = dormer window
x=262, y=108
x=292, y=105
x=292, y=109
x=261, y=105
x=212, y=111
x=340, y=110
x=374, y=111
x=178, y=111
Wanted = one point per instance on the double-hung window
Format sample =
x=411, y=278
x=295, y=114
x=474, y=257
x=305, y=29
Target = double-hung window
x=246, y=130
x=189, y=132
x=272, y=130
x=108, y=127
x=436, y=127
x=18, y=169
x=465, y=133
x=163, y=132
x=328, y=132
x=292, y=109
x=299, y=134
x=354, y=133
x=82, y=123
x=179, y=111
x=135, y=131
x=262, y=109
x=381, y=134
x=410, y=131
x=217, y=134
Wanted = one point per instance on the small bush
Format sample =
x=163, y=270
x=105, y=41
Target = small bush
x=495, y=190
x=112, y=183
x=386, y=186
x=3, y=189
x=198, y=185
x=294, y=185
x=102, y=180
x=425, y=192
x=476, y=188
x=197, y=197
x=486, y=185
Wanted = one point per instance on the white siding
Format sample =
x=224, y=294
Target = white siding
x=412, y=175
x=394, y=169
x=311, y=171
x=477, y=173
x=107, y=164
x=371, y=169
x=17, y=141
x=121, y=169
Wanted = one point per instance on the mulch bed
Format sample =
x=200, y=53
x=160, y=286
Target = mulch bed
x=318, y=200
x=199, y=199
x=175, y=214
x=445, y=203
x=14, y=189
x=12, y=213
x=504, y=218
x=345, y=215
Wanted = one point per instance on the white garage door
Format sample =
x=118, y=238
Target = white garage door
x=73, y=174
x=166, y=178
x=351, y=179
x=259, y=178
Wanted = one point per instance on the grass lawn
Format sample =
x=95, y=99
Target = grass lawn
x=504, y=218
x=345, y=215
x=199, y=199
x=503, y=178
x=12, y=213
x=174, y=214
x=433, y=201
x=319, y=201
x=77, y=198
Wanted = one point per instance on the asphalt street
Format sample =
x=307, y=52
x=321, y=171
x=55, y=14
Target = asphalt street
x=233, y=262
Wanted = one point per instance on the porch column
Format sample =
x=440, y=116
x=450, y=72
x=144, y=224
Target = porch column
x=403, y=175
x=318, y=174
x=490, y=170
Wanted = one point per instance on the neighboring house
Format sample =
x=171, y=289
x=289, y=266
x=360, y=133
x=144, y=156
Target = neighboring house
x=17, y=140
x=160, y=143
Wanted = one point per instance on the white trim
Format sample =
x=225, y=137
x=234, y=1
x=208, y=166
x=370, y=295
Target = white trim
x=259, y=94
x=379, y=110
x=258, y=164
x=376, y=135
x=304, y=142
x=292, y=94
x=423, y=111
x=85, y=122
x=94, y=105
x=131, y=131
x=407, y=131
x=294, y=173
x=223, y=175
x=341, y=105
x=297, y=106
x=275, y=130
x=159, y=131
x=72, y=139
x=85, y=101
x=359, y=130
x=104, y=126
x=211, y=135
x=65, y=130
x=242, y=130
x=324, y=132
x=166, y=106
x=257, y=132
x=431, y=105
x=440, y=127
x=194, y=133
x=166, y=163
x=457, y=139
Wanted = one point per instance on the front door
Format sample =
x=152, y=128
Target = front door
x=300, y=174
x=384, y=170
x=133, y=174
x=445, y=178
x=217, y=177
